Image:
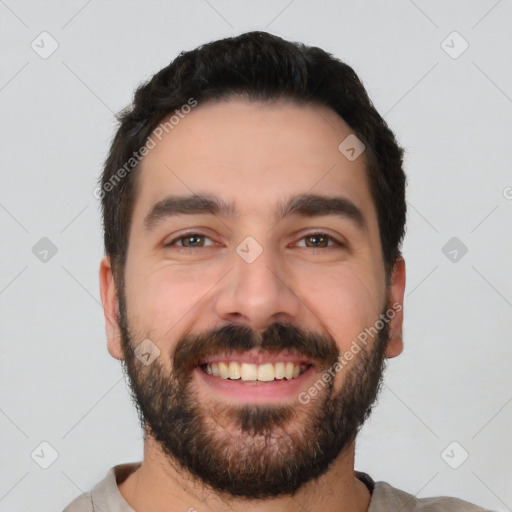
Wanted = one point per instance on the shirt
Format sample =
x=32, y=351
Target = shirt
x=105, y=496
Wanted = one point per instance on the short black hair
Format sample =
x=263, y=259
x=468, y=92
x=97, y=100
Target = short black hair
x=260, y=67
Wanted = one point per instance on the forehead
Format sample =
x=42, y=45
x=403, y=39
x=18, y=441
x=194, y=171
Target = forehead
x=253, y=155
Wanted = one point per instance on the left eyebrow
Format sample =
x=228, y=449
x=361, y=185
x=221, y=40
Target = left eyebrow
x=310, y=205
x=304, y=205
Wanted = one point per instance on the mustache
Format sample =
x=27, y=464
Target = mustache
x=320, y=350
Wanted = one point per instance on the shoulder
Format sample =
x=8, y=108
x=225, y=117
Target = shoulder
x=105, y=495
x=387, y=497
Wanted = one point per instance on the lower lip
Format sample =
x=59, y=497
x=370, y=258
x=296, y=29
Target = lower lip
x=239, y=391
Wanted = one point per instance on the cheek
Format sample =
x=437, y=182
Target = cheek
x=345, y=301
x=162, y=296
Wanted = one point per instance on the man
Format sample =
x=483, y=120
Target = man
x=254, y=209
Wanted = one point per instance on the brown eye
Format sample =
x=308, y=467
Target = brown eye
x=192, y=240
x=189, y=241
x=320, y=241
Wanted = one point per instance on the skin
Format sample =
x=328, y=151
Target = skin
x=255, y=155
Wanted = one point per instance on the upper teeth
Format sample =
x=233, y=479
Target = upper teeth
x=247, y=371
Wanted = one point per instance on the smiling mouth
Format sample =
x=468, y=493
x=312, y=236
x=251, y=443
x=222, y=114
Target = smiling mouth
x=266, y=372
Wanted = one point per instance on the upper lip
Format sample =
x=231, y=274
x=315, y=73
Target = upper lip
x=256, y=357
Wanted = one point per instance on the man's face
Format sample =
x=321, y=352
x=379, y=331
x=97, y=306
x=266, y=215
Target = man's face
x=271, y=301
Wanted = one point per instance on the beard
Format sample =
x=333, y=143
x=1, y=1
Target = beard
x=252, y=451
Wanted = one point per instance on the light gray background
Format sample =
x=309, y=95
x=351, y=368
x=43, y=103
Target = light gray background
x=453, y=115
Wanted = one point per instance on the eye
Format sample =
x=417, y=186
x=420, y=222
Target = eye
x=194, y=240
x=190, y=241
x=320, y=241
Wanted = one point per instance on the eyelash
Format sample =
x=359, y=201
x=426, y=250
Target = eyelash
x=337, y=244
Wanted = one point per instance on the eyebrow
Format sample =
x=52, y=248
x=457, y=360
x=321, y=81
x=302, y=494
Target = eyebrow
x=304, y=205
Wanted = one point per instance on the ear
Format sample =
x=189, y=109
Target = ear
x=110, y=303
x=396, y=302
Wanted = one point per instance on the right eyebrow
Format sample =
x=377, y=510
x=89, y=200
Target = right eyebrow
x=186, y=205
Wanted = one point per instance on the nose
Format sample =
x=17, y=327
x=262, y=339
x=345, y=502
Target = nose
x=258, y=293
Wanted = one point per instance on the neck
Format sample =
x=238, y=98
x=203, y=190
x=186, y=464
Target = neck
x=158, y=483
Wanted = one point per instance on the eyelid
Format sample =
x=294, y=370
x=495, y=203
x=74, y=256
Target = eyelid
x=184, y=234
x=338, y=241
